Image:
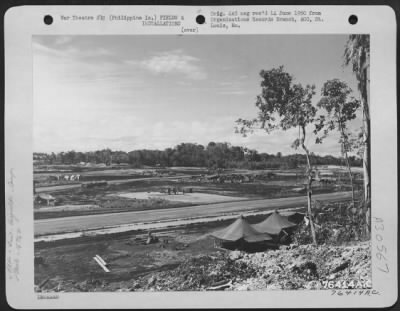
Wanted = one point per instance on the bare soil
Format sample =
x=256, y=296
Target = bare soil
x=107, y=199
x=67, y=266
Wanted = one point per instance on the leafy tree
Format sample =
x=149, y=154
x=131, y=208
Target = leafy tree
x=69, y=157
x=119, y=157
x=167, y=155
x=340, y=109
x=53, y=158
x=217, y=155
x=284, y=105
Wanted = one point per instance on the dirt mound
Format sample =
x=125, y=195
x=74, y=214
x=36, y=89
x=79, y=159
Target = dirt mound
x=306, y=266
x=199, y=273
x=290, y=267
x=294, y=267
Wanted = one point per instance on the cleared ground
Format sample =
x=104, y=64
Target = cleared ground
x=186, y=258
x=111, y=182
x=70, y=263
x=131, y=200
x=200, y=198
x=128, y=258
x=80, y=223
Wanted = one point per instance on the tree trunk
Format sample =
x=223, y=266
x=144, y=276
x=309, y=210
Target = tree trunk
x=367, y=151
x=351, y=178
x=367, y=176
x=366, y=158
x=344, y=150
x=344, y=146
x=309, y=194
x=309, y=187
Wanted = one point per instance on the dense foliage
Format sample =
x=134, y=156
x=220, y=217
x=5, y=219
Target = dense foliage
x=214, y=155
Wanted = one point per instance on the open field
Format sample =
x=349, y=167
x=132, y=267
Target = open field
x=109, y=173
x=71, y=261
x=146, y=193
x=199, y=198
x=60, y=186
x=112, y=220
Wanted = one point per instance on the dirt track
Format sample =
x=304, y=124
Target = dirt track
x=78, y=223
x=110, y=182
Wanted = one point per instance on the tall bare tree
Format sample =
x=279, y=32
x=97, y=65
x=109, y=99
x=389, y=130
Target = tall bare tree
x=357, y=55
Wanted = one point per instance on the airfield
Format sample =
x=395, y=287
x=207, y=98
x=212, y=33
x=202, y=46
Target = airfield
x=109, y=211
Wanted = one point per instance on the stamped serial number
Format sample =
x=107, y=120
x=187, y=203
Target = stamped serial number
x=346, y=284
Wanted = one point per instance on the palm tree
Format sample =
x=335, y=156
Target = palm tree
x=356, y=54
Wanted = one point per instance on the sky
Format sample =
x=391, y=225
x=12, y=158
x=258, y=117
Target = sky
x=153, y=92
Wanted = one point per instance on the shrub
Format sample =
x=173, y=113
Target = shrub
x=336, y=223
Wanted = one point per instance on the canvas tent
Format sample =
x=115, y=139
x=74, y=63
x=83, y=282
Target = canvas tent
x=274, y=224
x=294, y=217
x=240, y=234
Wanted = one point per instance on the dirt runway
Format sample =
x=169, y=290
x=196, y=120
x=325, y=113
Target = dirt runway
x=87, y=222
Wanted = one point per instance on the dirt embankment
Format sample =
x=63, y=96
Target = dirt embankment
x=303, y=267
x=294, y=267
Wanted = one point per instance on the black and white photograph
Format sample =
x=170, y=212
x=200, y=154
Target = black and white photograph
x=201, y=163
x=200, y=157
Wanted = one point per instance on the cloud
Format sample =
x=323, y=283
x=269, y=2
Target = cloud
x=62, y=48
x=233, y=87
x=232, y=92
x=61, y=40
x=130, y=133
x=73, y=67
x=173, y=62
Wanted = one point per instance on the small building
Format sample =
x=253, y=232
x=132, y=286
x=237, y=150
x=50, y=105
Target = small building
x=46, y=199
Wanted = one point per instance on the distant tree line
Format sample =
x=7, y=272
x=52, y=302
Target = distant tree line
x=214, y=155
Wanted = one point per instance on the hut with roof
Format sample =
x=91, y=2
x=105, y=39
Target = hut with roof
x=277, y=226
x=45, y=199
x=241, y=235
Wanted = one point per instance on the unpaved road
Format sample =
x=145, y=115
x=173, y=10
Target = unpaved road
x=78, y=223
x=110, y=182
